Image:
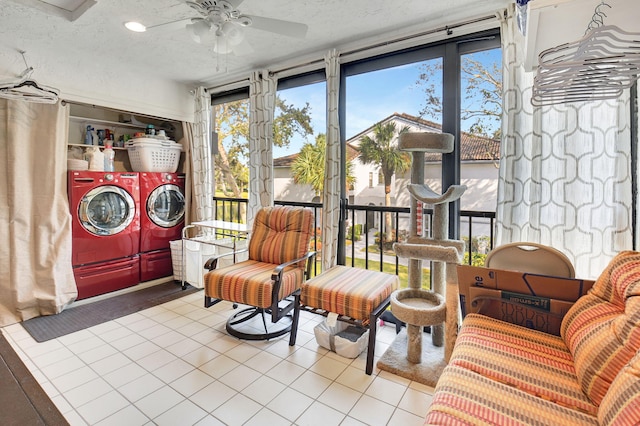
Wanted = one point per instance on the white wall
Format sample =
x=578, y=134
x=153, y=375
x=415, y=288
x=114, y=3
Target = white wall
x=284, y=189
x=117, y=86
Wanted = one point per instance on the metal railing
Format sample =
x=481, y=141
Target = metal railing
x=368, y=223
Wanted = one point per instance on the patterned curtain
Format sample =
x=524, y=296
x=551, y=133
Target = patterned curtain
x=200, y=185
x=331, y=192
x=565, y=174
x=262, y=101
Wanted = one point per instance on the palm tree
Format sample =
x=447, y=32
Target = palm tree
x=382, y=149
x=308, y=167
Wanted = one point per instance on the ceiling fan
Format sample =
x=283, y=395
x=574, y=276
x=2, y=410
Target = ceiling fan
x=220, y=21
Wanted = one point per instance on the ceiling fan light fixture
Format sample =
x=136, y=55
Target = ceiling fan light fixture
x=199, y=30
x=135, y=26
x=233, y=34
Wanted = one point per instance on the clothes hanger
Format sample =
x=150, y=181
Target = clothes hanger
x=27, y=89
x=599, y=66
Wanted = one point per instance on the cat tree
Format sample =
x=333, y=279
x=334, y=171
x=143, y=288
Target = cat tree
x=407, y=356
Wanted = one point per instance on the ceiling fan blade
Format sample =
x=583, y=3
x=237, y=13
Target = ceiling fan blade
x=234, y=3
x=278, y=26
x=172, y=25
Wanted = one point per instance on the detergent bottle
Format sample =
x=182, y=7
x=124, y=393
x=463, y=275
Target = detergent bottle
x=88, y=135
x=95, y=158
x=109, y=155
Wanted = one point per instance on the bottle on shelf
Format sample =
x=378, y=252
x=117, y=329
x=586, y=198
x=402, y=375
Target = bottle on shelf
x=151, y=130
x=109, y=156
x=88, y=135
x=95, y=158
x=101, y=134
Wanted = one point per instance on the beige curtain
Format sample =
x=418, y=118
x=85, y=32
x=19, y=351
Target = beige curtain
x=199, y=163
x=565, y=177
x=331, y=192
x=35, y=245
x=262, y=102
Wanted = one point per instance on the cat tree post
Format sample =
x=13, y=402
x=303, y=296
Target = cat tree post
x=414, y=305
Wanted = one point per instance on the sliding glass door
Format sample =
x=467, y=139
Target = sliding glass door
x=436, y=88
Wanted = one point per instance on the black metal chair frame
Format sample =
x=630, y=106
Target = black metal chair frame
x=277, y=310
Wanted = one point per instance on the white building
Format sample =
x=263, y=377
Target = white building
x=479, y=172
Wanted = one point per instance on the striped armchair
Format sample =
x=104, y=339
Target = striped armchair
x=503, y=374
x=269, y=281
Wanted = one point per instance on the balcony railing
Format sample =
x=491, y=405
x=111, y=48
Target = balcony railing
x=365, y=224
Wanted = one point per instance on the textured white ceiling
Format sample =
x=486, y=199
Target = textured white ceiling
x=99, y=36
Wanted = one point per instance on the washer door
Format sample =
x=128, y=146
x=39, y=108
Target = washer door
x=106, y=210
x=165, y=206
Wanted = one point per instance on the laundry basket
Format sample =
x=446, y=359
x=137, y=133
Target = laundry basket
x=153, y=155
x=176, y=259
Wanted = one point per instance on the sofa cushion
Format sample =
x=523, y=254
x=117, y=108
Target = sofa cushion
x=602, y=329
x=621, y=404
x=464, y=397
x=534, y=362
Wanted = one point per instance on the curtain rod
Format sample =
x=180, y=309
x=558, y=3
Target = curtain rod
x=447, y=28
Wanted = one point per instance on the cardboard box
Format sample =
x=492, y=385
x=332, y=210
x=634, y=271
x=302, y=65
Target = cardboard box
x=527, y=296
x=539, y=313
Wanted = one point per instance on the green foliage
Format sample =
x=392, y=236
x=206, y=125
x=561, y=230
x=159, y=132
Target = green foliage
x=309, y=166
x=232, y=126
x=289, y=121
x=477, y=259
x=381, y=149
x=355, y=231
x=479, y=247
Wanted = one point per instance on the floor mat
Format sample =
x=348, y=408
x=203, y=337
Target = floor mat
x=84, y=316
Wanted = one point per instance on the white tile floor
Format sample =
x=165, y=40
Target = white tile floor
x=174, y=364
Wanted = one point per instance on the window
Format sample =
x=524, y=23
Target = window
x=231, y=117
x=300, y=127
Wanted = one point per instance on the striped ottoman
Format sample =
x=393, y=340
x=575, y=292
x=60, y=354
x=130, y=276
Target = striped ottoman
x=358, y=296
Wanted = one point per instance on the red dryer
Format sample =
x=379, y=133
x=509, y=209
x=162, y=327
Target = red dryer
x=105, y=210
x=162, y=219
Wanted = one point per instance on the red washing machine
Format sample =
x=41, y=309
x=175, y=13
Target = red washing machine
x=161, y=220
x=105, y=208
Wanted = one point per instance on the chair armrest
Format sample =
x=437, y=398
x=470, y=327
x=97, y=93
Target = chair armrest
x=212, y=262
x=277, y=272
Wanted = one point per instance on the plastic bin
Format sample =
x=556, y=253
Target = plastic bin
x=345, y=340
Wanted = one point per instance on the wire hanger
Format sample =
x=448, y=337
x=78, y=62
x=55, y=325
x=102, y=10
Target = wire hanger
x=27, y=89
x=597, y=67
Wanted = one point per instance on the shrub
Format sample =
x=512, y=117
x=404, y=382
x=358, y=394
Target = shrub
x=357, y=232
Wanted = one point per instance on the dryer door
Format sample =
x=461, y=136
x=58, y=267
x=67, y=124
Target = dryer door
x=165, y=205
x=106, y=210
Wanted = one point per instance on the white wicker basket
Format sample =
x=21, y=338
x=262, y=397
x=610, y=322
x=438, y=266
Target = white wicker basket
x=176, y=259
x=150, y=155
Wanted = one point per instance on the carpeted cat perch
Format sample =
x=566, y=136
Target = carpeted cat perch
x=407, y=356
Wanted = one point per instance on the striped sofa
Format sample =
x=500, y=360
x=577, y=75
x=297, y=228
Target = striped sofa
x=503, y=374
